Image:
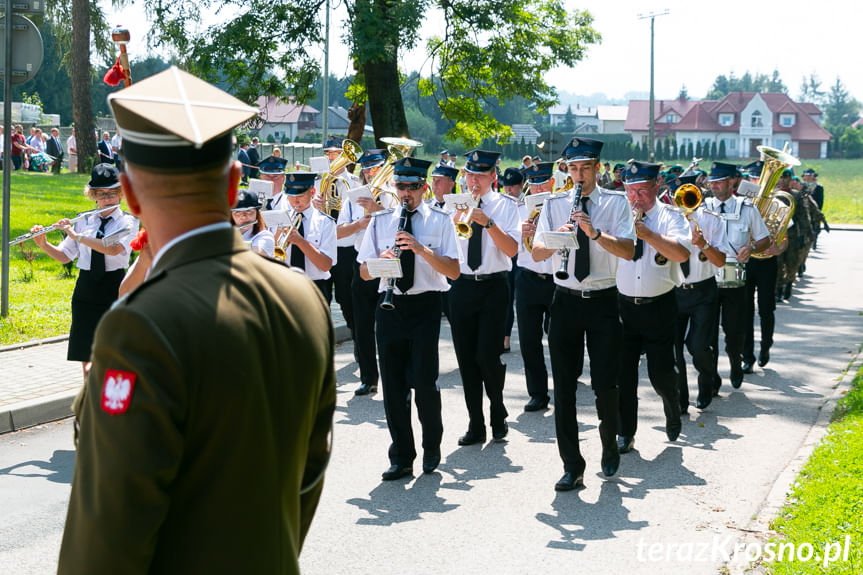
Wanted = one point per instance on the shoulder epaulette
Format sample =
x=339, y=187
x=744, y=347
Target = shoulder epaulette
x=611, y=192
x=382, y=212
x=510, y=198
x=439, y=210
x=557, y=196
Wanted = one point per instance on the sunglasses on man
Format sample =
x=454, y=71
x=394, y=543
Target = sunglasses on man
x=409, y=187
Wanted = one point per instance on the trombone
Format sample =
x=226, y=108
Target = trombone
x=280, y=252
x=30, y=235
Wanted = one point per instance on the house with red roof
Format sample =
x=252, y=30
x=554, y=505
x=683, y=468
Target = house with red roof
x=285, y=119
x=742, y=120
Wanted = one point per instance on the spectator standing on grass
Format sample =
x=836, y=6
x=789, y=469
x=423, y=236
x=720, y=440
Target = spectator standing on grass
x=72, y=148
x=54, y=148
x=19, y=145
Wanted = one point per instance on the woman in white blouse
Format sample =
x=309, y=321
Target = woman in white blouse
x=247, y=216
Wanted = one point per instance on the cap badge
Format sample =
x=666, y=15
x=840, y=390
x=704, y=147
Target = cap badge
x=633, y=169
x=475, y=157
x=291, y=177
x=575, y=142
x=407, y=162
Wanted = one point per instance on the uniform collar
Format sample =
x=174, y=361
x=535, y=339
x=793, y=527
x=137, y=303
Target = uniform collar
x=200, y=243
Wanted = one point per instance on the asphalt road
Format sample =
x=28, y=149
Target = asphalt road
x=493, y=507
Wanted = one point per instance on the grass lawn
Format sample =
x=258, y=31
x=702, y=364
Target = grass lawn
x=826, y=503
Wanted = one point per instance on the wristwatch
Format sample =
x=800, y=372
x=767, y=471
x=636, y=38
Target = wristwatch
x=490, y=224
x=598, y=233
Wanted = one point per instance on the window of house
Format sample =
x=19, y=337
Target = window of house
x=730, y=144
x=726, y=119
x=786, y=120
x=671, y=118
x=757, y=119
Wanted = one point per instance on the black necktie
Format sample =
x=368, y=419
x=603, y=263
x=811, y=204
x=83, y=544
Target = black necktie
x=639, y=250
x=440, y=204
x=97, y=259
x=582, y=256
x=406, y=257
x=298, y=258
x=685, y=267
x=722, y=208
x=474, y=245
x=269, y=203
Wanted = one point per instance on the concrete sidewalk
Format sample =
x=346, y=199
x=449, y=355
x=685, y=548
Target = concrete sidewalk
x=38, y=384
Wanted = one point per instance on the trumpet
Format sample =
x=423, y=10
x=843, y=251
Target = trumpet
x=462, y=225
x=687, y=198
x=280, y=252
x=387, y=302
x=30, y=235
x=563, y=272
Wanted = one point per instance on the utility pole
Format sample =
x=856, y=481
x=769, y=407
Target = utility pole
x=651, y=156
x=326, y=98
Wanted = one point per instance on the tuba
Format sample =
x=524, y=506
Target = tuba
x=776, y=207
x=351, y=152
x=280, y=252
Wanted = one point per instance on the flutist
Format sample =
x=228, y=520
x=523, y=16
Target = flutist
x=423, y=239
x=101, y=264
x=585, y=305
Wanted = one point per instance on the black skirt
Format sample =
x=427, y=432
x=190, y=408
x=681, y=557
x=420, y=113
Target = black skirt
x=90, y=300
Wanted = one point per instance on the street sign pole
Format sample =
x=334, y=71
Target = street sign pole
x=7, y=164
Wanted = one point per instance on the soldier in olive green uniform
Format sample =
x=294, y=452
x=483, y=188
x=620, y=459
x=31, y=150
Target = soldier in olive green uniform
x=205, y=420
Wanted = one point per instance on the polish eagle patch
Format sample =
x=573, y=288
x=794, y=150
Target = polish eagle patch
x=117, y=391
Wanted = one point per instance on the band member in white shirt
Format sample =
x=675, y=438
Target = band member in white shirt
x=696, y=300
x=408, y=333
x=479, y=296
x=272, y=169
x=246, y=215
x=648, y=307
x=313, y=242
x=585, y=307
x=534, y=290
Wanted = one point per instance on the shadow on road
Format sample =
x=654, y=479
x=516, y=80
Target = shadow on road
x=398, y=501
x=59, y=468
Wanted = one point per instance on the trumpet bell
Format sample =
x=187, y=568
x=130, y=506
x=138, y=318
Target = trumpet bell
x=688, y=197
x=463, y=230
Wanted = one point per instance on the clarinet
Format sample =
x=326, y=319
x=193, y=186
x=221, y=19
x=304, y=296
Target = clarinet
x=387, y=302
x=562, y=273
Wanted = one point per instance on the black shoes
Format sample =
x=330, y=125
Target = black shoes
x=396, y=472
x=736, y=376
x=430, y=462
x=747, y=367
x=625, y=443
x=365, y=389
x=703, y=403
x=471, y=437
x=610, y=462
x=536, y=404
x=569, y=481
x=763, y=357
x=672, y=429
x=498, y=433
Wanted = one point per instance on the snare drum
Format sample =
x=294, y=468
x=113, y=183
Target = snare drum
x=731, y=275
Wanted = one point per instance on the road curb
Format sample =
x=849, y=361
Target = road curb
x=759, y=526
x=50, y=408
x=34, y=343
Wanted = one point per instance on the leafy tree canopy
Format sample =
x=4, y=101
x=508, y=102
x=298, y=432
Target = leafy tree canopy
x=762, y=83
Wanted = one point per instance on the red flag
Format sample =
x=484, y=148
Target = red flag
x=115, y=74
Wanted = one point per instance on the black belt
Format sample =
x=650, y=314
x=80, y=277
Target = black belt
x=644, y=300
x=482, y=277
x=697, y=285
x=588, y=294
x=543, y=277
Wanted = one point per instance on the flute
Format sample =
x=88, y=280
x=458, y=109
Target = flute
x=563, y=273
x=52, y=227
x=387, y=302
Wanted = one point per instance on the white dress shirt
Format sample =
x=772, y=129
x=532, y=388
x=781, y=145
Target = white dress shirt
x=653, y=274
x=743, y=223
x=504, y=211
x=610, y=213
x=713, y=229
x=524, y=259
x=341, y=188
x=263, y=241
x=431, y=227
x=89, y=227
x=320, y=230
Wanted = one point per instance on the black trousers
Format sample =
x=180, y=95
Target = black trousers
x=478, y=318
x=408, y=342
x=574, y=319
x=365, y=305
x=533, y=296
x=696, y=318
x=343, y=278
x=761, y=276
x=650, y=327
x=512, y=280
x=731, y=314
x=326, y=288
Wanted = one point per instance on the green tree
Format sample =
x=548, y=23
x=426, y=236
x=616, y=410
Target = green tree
x=810, y=90
x=851, y=142
x=683, y=95
x=689, y=152
x=422, y=128
x=722, y=151
x=508, y=46
x=568, y=121
x=713, y=150
x=698, y=149
x=724, y=85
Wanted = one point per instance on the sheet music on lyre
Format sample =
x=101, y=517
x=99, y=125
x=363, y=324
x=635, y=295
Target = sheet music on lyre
x=559, y=240
x=384, y=267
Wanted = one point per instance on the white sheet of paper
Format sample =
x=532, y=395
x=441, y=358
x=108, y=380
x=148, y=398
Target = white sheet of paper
x=115, y=238
x=534, y=200
x=384, y=268
x=748, y=189
x=261, y=188
x=559, y=240
x=276, y=218
x=356, y=193
x=319, y=164
x=459, y=201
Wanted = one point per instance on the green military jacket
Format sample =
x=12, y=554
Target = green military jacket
x=206, y=418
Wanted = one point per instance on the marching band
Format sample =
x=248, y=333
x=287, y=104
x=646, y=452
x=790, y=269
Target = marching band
x=596, y=262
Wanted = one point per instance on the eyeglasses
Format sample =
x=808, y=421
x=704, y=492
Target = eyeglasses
x=408, y=187
x=105, y=195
